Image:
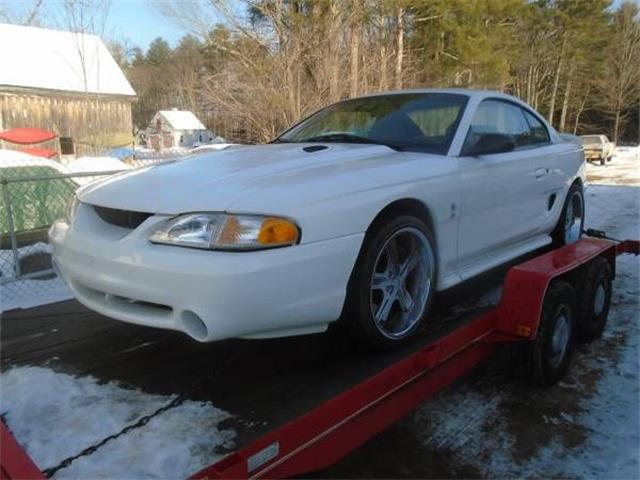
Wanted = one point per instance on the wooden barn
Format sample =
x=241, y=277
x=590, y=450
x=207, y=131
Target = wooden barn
x=67, y=83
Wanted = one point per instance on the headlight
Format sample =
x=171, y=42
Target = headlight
x=219, y=231
x=72, y=208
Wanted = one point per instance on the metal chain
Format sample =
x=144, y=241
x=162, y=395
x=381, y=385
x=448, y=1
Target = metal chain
x=140, y=423
x=196, y=387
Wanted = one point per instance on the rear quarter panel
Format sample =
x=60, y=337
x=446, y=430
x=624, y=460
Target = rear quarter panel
x=566, y=163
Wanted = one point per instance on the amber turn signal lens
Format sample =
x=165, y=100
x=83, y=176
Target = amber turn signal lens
x=278, y=231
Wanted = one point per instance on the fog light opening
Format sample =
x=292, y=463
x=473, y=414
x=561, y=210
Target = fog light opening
x=194, y=325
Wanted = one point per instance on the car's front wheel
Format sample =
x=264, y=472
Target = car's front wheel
x=393, y=282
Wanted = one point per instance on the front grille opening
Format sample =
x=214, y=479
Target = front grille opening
x=121, y=218
x=142, y=303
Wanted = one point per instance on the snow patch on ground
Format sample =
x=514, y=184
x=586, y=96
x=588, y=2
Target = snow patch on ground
x=40, y=405
x=624, y=169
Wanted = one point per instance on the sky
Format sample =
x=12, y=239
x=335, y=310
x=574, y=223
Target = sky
x=137, y=21
x=140, y=22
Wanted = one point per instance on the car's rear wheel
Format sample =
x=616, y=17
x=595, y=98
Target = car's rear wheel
x=393, y=282
x=571, y=224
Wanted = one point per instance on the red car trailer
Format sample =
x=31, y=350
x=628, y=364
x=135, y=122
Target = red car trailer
x=547, y=302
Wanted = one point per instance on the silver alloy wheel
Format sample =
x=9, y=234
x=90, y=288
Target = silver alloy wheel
x=599, y=299
x=573, y=218
x=401, y=282
x=560, y=338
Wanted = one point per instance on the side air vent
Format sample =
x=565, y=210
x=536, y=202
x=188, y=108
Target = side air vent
x=314, y=148
x=121, y=218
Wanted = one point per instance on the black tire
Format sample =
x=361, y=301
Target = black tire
x=357, y=313
x=542, y=366
x=559, y=234
x=594, y=299
x=603, y=161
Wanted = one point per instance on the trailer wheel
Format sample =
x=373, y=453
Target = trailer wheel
x=594, y=300
x=603, y=160
x=548, y=357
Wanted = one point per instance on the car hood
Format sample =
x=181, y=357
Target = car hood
x=213, y=181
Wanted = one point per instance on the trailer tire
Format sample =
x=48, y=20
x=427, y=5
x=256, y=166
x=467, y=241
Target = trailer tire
x=594, y=300
x=603, y=161
x=548, y=357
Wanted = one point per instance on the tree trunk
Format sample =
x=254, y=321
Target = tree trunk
x=399, y=46
x=556, y=81
x=383, y=85
x=334, y=56
x=565, y=102
x=580, y=110
x=616, y=127
x=355, y=49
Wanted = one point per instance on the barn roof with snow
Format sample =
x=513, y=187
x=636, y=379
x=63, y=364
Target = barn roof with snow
x=39, y=58
x=182, y=120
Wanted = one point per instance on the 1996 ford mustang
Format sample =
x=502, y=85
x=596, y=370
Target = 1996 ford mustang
x=362, y=212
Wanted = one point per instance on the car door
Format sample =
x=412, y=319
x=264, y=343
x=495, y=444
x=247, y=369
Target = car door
x=502, y=193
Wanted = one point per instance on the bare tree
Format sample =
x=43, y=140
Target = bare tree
x=619, y=86
x=26, y=12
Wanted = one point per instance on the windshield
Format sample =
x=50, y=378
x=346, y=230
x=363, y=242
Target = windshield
x=424, y=122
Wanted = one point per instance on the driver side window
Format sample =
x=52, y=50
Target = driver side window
x=495, y=116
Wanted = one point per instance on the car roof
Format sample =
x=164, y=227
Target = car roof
x=469, y=92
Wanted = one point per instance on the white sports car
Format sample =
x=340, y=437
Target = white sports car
x=361, y=212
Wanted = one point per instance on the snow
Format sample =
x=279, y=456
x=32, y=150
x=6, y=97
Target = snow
x=41, y=405
x=182, y=120
x=624, y=168
x=210, y=147
x=13, y=158
x=480, y=422
x=49, y=59
x=96, y=164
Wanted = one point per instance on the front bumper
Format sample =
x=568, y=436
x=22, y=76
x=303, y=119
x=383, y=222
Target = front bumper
x=210, y=295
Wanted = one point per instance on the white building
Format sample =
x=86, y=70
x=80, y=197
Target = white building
x=177, y=128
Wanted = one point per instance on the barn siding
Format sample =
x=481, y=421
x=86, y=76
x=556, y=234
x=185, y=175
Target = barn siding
x=93, y=122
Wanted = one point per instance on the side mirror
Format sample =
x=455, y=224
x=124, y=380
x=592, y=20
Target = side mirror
x=489, y=143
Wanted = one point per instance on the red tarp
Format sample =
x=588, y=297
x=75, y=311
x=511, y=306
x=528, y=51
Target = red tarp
x=27, y=136
x=39, y=152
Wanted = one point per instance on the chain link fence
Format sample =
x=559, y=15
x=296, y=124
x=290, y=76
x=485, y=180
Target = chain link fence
x=32, y=197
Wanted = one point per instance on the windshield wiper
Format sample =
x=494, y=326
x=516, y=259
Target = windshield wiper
x=349, y=138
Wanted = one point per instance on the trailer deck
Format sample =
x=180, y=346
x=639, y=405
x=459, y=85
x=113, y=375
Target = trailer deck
x=163, y=362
